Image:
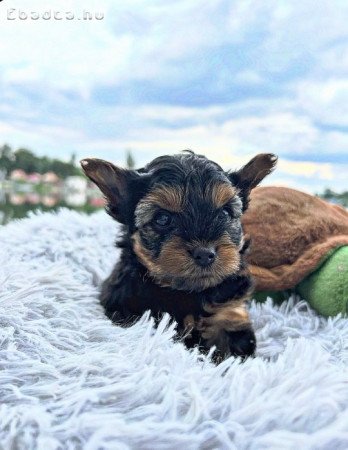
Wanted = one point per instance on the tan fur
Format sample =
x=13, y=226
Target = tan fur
x=166, y=197
x=291, y=232
x=189, y=321
x=189, y=324
x=228, y=254
x=225, y=318
x=175, y=260
x=222, y=193
x=143, y=254
x=230, y=316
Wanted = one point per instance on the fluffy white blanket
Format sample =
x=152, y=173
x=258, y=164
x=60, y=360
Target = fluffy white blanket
x=70, y=379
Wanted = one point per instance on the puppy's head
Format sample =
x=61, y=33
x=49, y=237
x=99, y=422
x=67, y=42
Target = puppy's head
x=183, y=213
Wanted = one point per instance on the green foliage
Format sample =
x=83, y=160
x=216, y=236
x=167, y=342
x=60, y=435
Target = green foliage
x=63, y=169
x=73, y=159
x=6, y=158
x=26, y=160
x=130, y=160
x=334, y=197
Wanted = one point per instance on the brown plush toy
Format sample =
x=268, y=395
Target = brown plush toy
x=299, y=243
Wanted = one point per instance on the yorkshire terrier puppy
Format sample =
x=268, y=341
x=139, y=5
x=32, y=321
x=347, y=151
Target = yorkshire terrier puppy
x=183, y=250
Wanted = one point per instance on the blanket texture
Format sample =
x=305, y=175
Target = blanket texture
x=70, y=379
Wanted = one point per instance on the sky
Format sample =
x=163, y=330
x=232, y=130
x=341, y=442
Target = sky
x=228, y=79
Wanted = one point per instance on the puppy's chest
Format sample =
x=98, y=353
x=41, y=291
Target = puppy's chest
x=180, y=304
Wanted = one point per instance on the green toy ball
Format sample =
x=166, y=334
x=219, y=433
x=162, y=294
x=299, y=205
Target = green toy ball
x=326, y=289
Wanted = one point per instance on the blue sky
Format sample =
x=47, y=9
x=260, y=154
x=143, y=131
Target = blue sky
x=225, y=78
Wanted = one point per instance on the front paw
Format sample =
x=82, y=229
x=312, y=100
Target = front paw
x=242, y=343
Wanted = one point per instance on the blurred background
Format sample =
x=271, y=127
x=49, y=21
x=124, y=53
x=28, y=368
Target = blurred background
x=130, y=80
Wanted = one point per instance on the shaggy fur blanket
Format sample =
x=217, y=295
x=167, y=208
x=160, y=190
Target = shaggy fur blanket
x=70, y=379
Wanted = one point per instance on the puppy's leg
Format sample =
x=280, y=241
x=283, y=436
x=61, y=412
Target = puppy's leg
x=228, y=327
x=118, y=295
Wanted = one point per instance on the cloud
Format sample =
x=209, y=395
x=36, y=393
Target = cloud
x=326, y=101
x=228, y=79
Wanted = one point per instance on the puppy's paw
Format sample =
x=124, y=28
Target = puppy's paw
x=242, y=343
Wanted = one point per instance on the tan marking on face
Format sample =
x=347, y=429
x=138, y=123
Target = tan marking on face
x=175, y=261
x=222, y=193
x=174, y=258
x=166, y=197
x=228, y=254
x=141, y=252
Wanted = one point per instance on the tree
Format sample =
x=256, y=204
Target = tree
x=7, y=158
x=63, y=169
x=130, y=160
x=332, y=196
x=328, y=193
x=6, y=152
x=26, y=160
x=73, y=159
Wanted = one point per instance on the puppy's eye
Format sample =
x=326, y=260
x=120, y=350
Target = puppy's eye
x=163, y=219
x=227, y=212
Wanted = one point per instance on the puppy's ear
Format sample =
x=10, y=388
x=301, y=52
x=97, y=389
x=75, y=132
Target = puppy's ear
x=122, y=188
x=250, y=175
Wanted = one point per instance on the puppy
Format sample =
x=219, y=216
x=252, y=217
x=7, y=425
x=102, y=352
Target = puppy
x=183, y=250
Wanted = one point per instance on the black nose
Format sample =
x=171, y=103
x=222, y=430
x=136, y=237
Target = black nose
x=204, y=256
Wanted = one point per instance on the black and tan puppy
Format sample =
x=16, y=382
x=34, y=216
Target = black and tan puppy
x=182, y=246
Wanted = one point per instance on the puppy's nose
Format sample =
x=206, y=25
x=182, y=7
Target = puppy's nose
x=204, y=256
